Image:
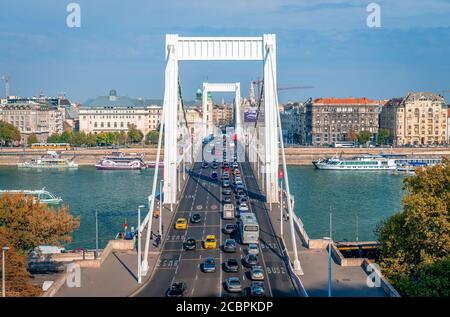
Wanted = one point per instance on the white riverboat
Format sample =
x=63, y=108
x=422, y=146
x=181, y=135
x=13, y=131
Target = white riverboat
x=357, y=163
x=51, y=160
x=41, y=195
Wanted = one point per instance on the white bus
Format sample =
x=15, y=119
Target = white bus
x=248, y=228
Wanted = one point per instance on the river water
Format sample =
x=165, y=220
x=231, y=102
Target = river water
x=358, y=200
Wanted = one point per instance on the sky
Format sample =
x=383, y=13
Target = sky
x=324, y=44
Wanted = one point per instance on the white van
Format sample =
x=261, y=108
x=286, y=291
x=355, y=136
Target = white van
x=228, y=211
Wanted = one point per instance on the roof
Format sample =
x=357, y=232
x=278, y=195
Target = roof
x=415, y=96
x=345, y=101
x=113, y=100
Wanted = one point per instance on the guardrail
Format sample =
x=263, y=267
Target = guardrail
x=298, y=283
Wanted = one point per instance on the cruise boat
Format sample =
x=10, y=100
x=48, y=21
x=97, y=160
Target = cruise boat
x=41, y=195
x=119, y=161
x=364, y=163
x=51, y=160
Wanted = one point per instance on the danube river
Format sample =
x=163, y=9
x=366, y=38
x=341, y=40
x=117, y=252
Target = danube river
x=358, y=200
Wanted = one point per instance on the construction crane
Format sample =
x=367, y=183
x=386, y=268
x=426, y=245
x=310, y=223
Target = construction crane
x=258, y=82
x=6, y=79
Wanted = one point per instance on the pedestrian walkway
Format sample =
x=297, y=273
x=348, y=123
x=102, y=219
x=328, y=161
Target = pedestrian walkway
x=347, y=281
x=117, y=276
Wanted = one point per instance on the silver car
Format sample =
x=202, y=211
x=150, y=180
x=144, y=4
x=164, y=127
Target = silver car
x=253, y=248
x=233, y=284
x=257, y=273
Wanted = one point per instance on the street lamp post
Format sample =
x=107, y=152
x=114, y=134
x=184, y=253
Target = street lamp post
x=139, y=244
x=3, y=271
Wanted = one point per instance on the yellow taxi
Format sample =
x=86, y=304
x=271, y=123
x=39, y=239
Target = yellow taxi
x=210, y=242
x=181, y=224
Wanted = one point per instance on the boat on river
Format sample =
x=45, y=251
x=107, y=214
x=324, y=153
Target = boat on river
x=51, y=160
x=41, y=195
x=357, y=163
x=120, y=161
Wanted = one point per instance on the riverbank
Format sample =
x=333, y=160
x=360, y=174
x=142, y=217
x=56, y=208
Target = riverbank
x=294, y=156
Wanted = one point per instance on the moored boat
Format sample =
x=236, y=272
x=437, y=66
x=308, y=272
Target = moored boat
x=41, y=195
x=51, y=160
x=357, y=163
x=118, y=161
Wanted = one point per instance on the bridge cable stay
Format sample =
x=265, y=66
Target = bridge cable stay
x=151, y=199
x=180, y=95
x=286, y=180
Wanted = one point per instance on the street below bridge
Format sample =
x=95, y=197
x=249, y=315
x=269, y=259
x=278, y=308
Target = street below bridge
x=204, y=196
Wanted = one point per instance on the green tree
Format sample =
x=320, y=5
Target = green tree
x=152, y=137
x=110, y=138
x=8, y=133
x=67, y=137
x=54, y=138
x=415, y=243
x=122, y=138
x=102, y=138
x=383, y=135
x=91, y=140
x=32, y=139
x=364, y=137
x=134, y=135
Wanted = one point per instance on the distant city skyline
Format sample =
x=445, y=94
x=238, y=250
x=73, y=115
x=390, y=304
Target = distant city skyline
x=325, y=44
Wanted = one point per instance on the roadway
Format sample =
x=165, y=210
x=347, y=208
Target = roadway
x=204, y=196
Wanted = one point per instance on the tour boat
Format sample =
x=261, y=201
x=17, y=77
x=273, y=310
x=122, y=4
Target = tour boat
x=358, y=163
x=118, y=161
x=41, y=195
x=52, y=160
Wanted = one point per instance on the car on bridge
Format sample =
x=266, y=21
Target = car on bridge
x=253, y=249
x=209, y=265
x=214, y=176
x=177, y=289
x=181, y=224
x=195, y=218
x=229, y=228
x=231, y=265
x=226, y=199
x=227, y=191
x=257, y=289
x=250, y=260
x=226, y=183
x=243, y=207
x=233, y=284
x=205, y=165
x=190, y=244
x=229, y=246
x=210, y=242
x=257, y=273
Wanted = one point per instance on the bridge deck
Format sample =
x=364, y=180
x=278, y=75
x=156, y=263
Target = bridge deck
x=204, y=196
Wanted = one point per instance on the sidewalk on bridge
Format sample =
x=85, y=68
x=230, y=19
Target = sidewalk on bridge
x=347, y=281
x=117, y=276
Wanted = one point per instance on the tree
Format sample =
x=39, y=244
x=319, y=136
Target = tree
x=102, y=138
x=152, y=137
x=364, y=137
x=91, y=139
x=383, y=135
x=8, y=133
x=351, y=136
x=54, y=138
x=122, y=138
x=32, y=139
x=17, y=281
x=134, y=135
x=415, y=243
x=110, y=138
x=26, y=224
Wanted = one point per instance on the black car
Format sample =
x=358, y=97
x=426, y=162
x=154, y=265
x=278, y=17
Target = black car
x=214, y=176
x=190, y=244
x=257, y=289
x=229, y=228
x=205, y=165
x=214, y=165
x=177, y=289
x=250, y=260
x=195, y=218
x=231, y=265
x=227, y=199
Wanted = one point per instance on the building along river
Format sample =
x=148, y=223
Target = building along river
x=356, y=197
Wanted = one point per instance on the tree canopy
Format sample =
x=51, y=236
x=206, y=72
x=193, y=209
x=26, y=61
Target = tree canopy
x=383, y=135
x=364, y=137
x=134, y=135
x=32, y=139
x=8, y=133
x=415, y=243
